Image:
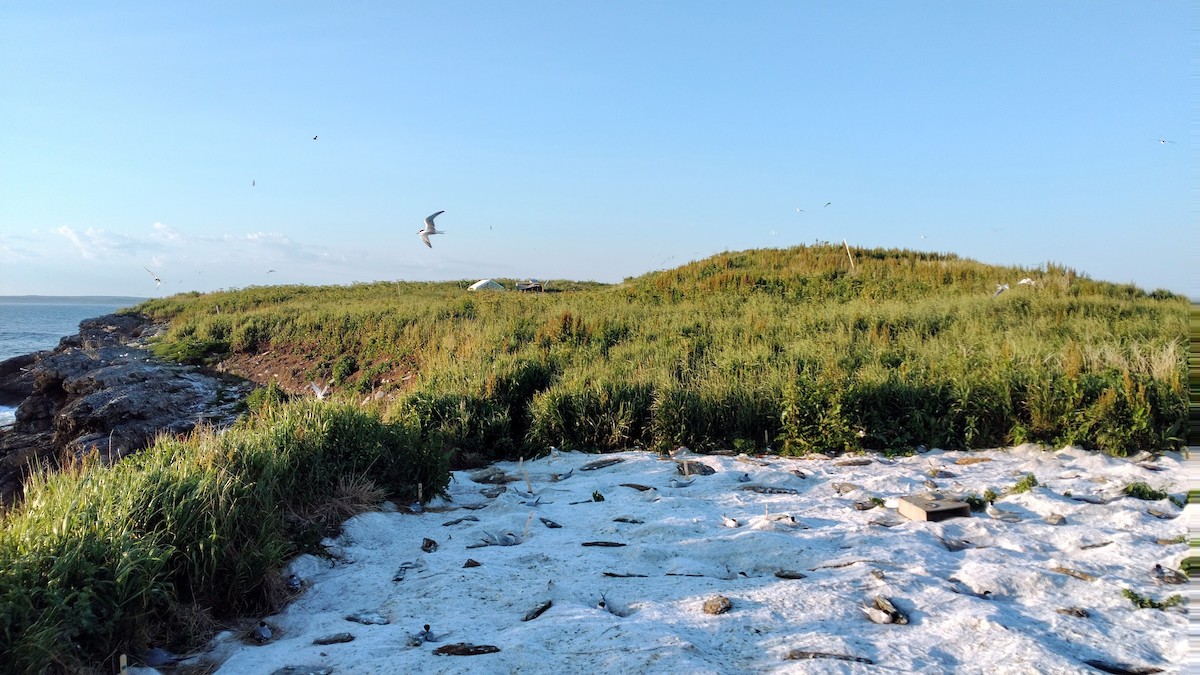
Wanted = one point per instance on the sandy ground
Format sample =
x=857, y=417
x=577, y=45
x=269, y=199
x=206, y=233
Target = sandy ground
x=1017, y=594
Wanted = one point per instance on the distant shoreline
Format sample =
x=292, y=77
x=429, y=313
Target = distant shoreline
x=70, y=300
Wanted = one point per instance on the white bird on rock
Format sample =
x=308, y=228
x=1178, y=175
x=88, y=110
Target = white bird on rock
x=430, y=228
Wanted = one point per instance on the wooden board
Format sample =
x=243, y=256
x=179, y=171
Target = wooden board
x=932, y=506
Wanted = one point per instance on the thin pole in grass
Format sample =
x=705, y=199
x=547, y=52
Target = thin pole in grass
x=848, y=255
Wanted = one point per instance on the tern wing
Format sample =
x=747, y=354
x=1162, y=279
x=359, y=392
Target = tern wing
x=429, y=221
x=425, y=238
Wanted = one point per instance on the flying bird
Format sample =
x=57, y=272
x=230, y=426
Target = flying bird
x=827, y=204
x=157, y=281
x=252, y=183
x=1000, y=288
x=314, y=138
x=319, y=391
x=1163, y=141
x=430, y=228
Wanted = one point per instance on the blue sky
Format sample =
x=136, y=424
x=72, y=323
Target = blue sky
x=586, y=140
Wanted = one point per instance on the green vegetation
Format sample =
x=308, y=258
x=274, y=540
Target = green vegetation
x=1142, y=490
x=1027, y=483
x=1144, y=602
x=788, y=348
x=976, y=502
x=98, y=560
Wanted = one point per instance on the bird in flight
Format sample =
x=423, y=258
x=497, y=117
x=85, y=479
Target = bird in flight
x=430, y=228
x=270, y=271
x=314, y=138
x=1163, y=141
x=157, y=281
x=252, y=183
x=827, y=204
x=1000, y=288
x=321, y=392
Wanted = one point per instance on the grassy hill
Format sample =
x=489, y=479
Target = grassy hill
x=788, y=348
x=794, y=349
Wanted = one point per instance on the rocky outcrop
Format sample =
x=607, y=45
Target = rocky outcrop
x=103, y=391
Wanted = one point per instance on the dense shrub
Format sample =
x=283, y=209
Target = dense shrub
x=99, y=559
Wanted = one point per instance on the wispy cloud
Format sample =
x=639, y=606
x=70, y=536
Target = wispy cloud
x=167, y=233
x=74, y=238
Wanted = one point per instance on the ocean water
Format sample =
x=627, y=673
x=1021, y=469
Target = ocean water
x=30, y=324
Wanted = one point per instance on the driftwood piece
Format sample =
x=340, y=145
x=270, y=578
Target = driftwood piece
x=601, y=463
x=1073, y=573
x=769, y=490
x=537, y=611
x=801, y=655
x=465, y=649
x=637, y=486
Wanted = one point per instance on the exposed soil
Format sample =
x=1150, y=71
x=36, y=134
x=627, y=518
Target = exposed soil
x=290, y=371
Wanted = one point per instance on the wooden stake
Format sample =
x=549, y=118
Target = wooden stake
x=528, y=483
x=848, y=253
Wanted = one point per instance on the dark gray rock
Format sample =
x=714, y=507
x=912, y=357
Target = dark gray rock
x=16, y=378
x=102, y=391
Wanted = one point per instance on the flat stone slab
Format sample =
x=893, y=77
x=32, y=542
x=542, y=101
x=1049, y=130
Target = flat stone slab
x=932, y=506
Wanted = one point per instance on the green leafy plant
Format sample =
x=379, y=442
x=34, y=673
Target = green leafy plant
x=1142, y=490
x=1027, y=483
x=1145, y=602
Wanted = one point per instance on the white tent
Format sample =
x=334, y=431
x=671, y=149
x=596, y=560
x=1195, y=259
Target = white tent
x=486, y=285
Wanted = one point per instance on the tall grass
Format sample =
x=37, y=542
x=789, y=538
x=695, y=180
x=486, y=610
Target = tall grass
x=783, y=347
x=99, y=560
